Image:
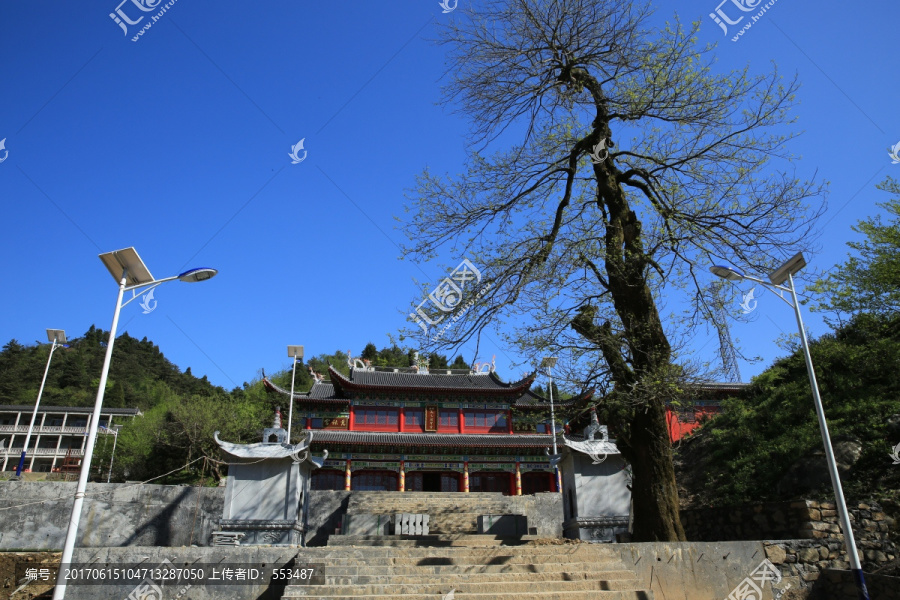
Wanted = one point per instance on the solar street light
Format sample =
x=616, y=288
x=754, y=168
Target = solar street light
x=132, y=275
x=785, y=275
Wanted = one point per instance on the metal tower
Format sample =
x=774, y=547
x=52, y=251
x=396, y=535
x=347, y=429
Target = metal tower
x=720, y=320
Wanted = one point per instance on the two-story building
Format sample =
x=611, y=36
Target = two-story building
x=59, y=435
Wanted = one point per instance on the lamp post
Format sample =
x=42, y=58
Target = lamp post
x=132, y=275
x=296, y=352
x=548, y=363
x=114, y=430
x=58, y=337
x=785, y=275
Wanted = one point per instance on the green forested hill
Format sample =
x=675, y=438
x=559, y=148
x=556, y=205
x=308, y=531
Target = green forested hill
x=139, y=376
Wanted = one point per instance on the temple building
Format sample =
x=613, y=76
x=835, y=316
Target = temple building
x=411, y=429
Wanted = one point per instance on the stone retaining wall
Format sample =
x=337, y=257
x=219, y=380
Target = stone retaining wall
x=803, y=520
x=118, y=515
x=841, y=585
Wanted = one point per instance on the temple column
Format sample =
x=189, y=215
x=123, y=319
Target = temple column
x=518, y=479
x=402, y=476
x=347, y=477
x=466, y=477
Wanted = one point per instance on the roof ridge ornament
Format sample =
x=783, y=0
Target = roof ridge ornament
x=317, y=377
x=484, y=368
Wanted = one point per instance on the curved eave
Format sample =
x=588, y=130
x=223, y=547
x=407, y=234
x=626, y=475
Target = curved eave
x=305, y=398
x=532, y=401
x=440, y=440
x=342, y=384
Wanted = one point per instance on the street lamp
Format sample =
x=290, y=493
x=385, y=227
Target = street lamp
x=548, y=363
x=58, y=337
x=114, y=430
x=130, y=272
x=785, y=275
x=296, y=352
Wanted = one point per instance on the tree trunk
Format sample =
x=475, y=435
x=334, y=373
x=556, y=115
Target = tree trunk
x=655, y=494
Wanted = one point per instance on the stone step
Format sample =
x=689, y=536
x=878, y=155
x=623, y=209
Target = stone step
x=388, y=563
x=587, y=571
x=434, y=540
x=524, y=545
x=353, y=571
x=466, y=587
x=295, y=592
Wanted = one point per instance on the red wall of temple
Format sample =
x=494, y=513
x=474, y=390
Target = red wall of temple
x=679, y=428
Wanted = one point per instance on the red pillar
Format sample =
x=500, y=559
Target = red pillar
x=462, y=421
x=352, y=424
x=402, y=419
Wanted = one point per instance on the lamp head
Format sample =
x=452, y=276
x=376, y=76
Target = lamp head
x=729, y=273
x=195, y=275
x=549, y=361
x=295, y=352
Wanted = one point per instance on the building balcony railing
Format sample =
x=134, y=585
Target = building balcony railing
x=42, y=430
x=46, y=452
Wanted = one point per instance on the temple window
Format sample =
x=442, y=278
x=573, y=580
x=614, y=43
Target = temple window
x=448, y=420
x=414, y=419
x=485, y=421
x=377, y=418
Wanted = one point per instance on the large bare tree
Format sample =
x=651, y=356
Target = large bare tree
x=609, y=165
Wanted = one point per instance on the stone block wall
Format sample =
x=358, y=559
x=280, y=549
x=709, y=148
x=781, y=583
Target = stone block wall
x=841, y=585
x=805, y=538
x=804, y=519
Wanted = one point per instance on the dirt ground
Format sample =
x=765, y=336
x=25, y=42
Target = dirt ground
x=12, y=574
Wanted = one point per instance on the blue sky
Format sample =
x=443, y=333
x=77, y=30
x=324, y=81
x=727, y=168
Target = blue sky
x=178, y=144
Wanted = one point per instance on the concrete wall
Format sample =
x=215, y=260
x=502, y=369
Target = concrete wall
x=544, y=512
x=115, y=514
x=693, y=570
x=326, y=513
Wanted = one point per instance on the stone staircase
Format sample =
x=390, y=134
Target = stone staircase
x=449, y=512
x=522, y=572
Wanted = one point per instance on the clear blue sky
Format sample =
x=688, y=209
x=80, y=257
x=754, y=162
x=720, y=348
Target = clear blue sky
x=178, y=144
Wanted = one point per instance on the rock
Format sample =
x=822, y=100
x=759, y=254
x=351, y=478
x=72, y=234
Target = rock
x=808, y=555
x=776, y=554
